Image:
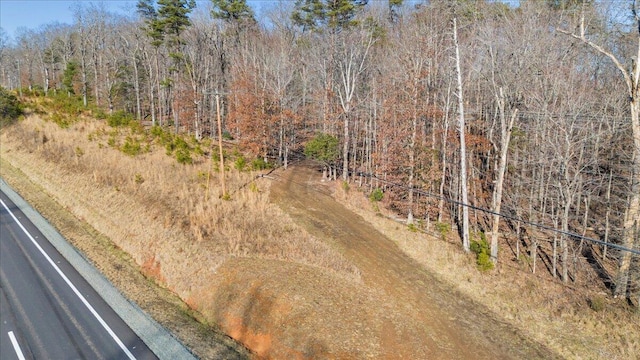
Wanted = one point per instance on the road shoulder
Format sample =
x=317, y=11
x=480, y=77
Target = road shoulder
x=159, y=340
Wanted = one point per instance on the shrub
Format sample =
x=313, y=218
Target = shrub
x=376, y=208
x=61, y=120
x=183, y=155
x=597, y=303
x=412, y=227
x=322, y=147
x=112, y=141
x=259, y=164
x=183, y=150
x=157, y=131
x=345, y=186
x=10, y=108
x=481, y=248
x=131, y=146
x=165, y=136
x=99, y=114
x=180, y=143
x=119, y=118
x=376, y=195
x=443, y=229
x=227, y=135
x=69, y=105
x=35, y=91
x=136, y=127
x=169, y=147
x=240, y=163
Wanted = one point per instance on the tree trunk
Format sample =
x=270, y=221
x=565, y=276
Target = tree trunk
x=136, y=84
x=463, y=149
x=412, y=144
x=345, y=148
x=633, y=211
x=505, y=138
x=445, y=135
x=606, y=218
x=563, y=241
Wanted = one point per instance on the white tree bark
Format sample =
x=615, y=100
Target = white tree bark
x=463, y=148
x=505, y=138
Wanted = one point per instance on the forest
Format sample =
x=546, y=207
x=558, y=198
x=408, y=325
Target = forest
x=515, y=123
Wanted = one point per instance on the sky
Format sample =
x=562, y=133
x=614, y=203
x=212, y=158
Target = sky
x=32, y=14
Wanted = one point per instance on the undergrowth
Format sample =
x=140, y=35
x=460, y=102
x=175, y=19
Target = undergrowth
x=241, y=223
x=480, y=247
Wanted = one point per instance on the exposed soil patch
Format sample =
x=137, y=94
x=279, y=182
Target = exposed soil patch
x=450, y=325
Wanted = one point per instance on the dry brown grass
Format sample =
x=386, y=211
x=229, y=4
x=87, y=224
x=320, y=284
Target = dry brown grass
x=155, y=209
x=555, y=315
x=149, y=188
x=206, y=342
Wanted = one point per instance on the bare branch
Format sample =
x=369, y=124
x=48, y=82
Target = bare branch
x=631, y=83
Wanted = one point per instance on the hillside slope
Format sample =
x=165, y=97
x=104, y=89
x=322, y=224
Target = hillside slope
x=312, y=281
x=447, y=324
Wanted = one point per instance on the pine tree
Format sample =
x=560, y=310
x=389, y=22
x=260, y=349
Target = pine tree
x=232, y=10
x=173, y=16
x=69, y=76
x=148, y=12
x=333, y=14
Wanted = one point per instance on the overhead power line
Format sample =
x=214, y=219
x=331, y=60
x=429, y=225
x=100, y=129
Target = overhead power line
x=571, y=235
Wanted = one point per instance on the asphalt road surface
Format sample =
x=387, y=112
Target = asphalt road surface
x=49, y=311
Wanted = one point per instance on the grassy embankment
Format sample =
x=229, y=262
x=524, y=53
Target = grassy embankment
x=146, y=190
x=245, y=266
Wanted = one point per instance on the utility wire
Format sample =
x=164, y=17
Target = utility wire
x=571, y=235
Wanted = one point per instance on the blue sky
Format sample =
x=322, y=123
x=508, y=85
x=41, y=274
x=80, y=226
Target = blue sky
x=34, y=13
x=31, y=14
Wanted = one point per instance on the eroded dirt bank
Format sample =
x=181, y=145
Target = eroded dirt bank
x=444, y=324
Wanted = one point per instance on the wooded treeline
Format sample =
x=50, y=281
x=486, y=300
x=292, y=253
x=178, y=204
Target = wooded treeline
x=549, y=89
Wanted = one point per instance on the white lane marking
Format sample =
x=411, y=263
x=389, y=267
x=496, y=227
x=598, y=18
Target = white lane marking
x=75, y=290
x=15, y=344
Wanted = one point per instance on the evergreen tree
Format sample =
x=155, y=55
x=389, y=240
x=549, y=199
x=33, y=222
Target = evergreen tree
x=232, y=10
x=167, y=20
x=334, y=14
x=148, y=12
x=10, y=107
x=69, y=76
x=173, y=16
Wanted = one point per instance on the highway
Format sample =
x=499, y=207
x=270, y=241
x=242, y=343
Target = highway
x=47, y=309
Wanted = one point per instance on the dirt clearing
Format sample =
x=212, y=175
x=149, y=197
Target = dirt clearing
x=449, y=325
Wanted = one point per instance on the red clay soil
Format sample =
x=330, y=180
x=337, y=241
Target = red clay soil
x=450, y=325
